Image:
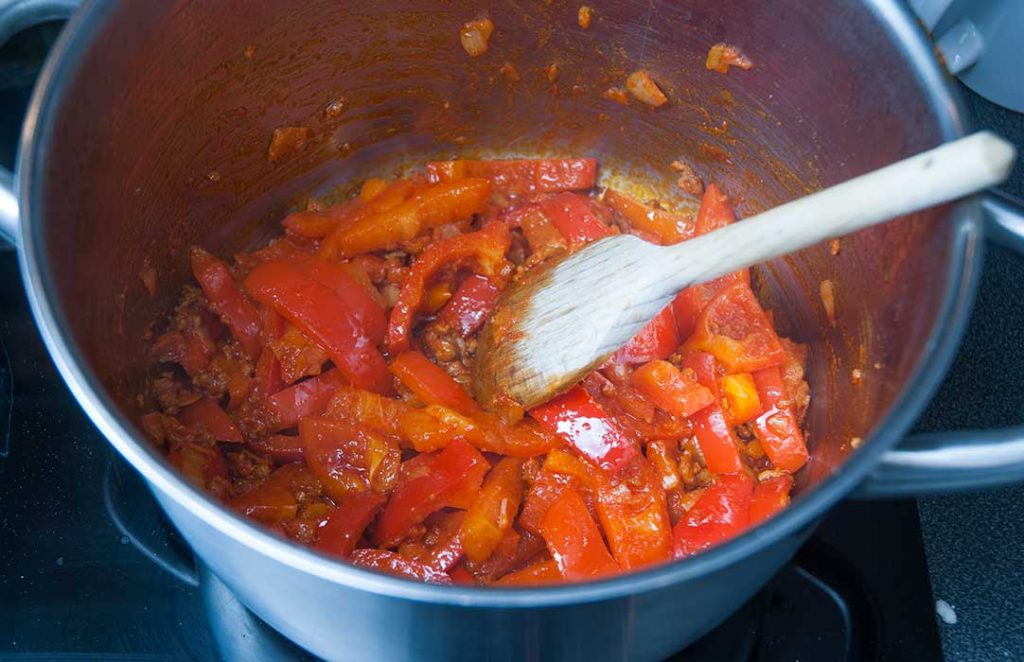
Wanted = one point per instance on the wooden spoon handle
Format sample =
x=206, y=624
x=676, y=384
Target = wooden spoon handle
x=951, y=171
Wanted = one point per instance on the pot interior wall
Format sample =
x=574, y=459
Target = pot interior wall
x=162, y=143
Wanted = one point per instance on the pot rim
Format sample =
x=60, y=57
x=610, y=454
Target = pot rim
x=943, y=339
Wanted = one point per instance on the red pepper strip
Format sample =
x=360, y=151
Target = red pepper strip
x=735, y=329
x=521, y=175
x=308, y=398
x=461, y=576
x=268, y=373
x=770, y=496
x=272, y=500
x=413, y=500
x=434, y=426
x=192, y=349
x=431, y=384
x=465, y=493
x=720, y=513
x=657, y=340
x=353, y=294
x=321, y=315
x=541, y=572
x=366, y=409
x=471, y=305
x=227, y=300
x=199, y=463
x=670, y=389
x=633, y=512
x=429, y=208
x=316, y=224
x=578, y=419
x=776, y=427
x=666, y=227
x=344, y=526
x=207, y=414
x=493, y=512
x=574, y=217
x=348, y=460
x=487, y=246
x=574, y=540
x=396, y=564
x=716, y=438
x=281, y=448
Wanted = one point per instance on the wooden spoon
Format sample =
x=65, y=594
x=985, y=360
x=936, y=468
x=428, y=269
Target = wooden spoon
x=557, y=324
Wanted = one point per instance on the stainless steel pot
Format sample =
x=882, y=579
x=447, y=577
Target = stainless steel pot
x=149, y=129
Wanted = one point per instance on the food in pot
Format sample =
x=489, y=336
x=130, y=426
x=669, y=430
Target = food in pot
x=321, y=386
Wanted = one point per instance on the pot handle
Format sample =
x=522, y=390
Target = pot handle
x=968, y=459
x=15, y=16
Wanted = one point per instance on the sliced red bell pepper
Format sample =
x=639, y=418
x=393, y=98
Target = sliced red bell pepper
x=268, y=373
x=308, y=398
x=541, y=572
x=354, y=295
x=365, y=409
x=546, y=488
x=273, y=500
x=715, y=212
x=494, y=510
x=345, y=526
x=634, y=515
x=658, y=339
x=199, y=463
x=574, y=217
x=521, y=175
x=720, y=513
x=417, y=497
x=741, y=400
x=574, y=540
x=192, y=349
x=281, y=448
x=770, y=496
x=434, y=426
x=541, y=234
x=297, y=356
x=471, y=305
x=208, y=414
x=776, y=427
x=486, y=247
x=428, y=208
x=347, y=460
x=716, y=438
x=579, y=420
x=670, y=389
x=227, y=300
x=431, y=384
x=666, y=227
x=735, y=329
x=461, y=576
x=396, y=564
x=321, y=315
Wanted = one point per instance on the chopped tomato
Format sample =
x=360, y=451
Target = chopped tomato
x=227, y=300
x=770, y=496
x=720, y=513
x=545, y=489
x=735, y=329
x=584, y=425
x=431, y=384
x=776, y=427
x=634, y=515
x=297, y=356
x=415, y=499
x=493, y=512
x=434, y=426
x=396, y=564
x=268, y=373
x=308, y=398
x=461, y=576
x=666, y=227
x=199, y=463
x=574, y=540
x=344, y=526
x=274, y=500
x=739, y=393
x=471, y=305
x=318, y=311
x=366, y=409
x=348, y=460
x=716, y=438
x=207, y=414
x=521, y=175
x=575, y=218
x=658, y=339
x=672, y=390
x=428, y=208
x=486, y=247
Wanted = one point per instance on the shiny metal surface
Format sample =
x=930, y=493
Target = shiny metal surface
x=170, y=120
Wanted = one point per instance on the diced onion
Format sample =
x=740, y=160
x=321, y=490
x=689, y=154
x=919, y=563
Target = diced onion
x=474, y=36
x=642, y=86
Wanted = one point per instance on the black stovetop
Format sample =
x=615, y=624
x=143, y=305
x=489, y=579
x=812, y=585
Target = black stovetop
x=88, y=569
